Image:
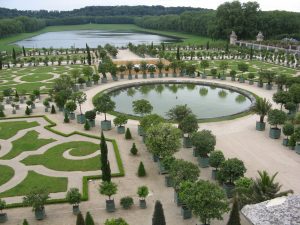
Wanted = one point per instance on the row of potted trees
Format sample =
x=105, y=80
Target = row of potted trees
x=290, y=121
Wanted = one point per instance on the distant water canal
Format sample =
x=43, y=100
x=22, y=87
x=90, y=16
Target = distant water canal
x=78, y=38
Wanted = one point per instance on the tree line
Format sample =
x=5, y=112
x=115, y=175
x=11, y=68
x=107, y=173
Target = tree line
x=20, y=25
x=140, y=10
x=246, y=19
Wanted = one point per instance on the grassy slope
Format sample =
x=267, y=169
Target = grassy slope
x=29, y=142
x=53, y=157
x=35, y=180
x=10, y=129
x=6, y=174
x=188, y=38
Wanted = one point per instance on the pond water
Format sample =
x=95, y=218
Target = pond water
x=78, y=38
x=205, y=101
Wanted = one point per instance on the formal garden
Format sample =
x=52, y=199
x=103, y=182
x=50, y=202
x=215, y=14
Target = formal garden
x=183, y=133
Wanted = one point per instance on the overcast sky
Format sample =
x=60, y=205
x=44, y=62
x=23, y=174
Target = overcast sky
x=289, y=5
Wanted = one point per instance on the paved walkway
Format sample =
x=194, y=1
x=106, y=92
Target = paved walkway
x=236, y=138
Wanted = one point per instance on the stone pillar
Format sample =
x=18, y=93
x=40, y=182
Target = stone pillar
x=233, y=38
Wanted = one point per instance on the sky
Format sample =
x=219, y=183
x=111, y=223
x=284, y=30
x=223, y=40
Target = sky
x=288, y=5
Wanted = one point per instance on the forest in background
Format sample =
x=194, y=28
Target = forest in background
x=246, y=19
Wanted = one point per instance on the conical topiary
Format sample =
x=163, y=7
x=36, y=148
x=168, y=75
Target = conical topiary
x=234, y=218
x=80, y=219
x=66, y=119
x=128, y=134
x=25, y=222
x=89, y=219
x=87, y=125
x=27, y=111
x=2, y=113
x=141, y=170
x=133, y=149
x=158, y=215
x=53, y=111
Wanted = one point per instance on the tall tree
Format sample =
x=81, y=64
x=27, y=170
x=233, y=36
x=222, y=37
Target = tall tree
x=158, y=215
x=105, y=166
x=89, y=58
x=234, y=218
x=178, y=53
x=14, y=56
x=24, y=52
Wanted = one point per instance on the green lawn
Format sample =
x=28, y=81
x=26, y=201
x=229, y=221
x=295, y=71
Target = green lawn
x=36, y=77
x=33, y=76
x=53, y=158
x=34, y=181
x=29, y=142
x=187, y=38
x=6, y=174
x=82, y=151
x=10, y=129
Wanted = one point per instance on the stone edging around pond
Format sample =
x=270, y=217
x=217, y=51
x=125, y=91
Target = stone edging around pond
x=245, y=93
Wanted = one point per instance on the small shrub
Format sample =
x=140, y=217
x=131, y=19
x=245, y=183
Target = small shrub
x=2, y=113
x=87, y=125
x=128, y=134
x=133, y=149
x=27, y=111
x=143, y=192
x=66, y=119
x=126, y=202
x=89, y=219
x=53, y=111
x=25, y=222
x=80, y=220
x=141, y=170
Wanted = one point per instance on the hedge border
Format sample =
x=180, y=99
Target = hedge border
x=85, y=179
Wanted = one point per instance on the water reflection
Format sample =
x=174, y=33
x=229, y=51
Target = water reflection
x=204, y=103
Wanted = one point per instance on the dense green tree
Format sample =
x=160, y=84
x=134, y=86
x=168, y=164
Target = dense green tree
x=104, y=104
x=234, y=217
x=205, y=199
x=163, y=139
x=89, y=219
x=80, y=219
x=158, y=217
x=105, y=166
x=142, y=107
x=141, y=170
x=179, y=112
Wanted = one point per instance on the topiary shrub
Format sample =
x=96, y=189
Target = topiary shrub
x=128, y=134
x=126, y=202
x=87, y=125
x=53, y=111
x=2, y=114
x=89, y=219
x=141, y=170
x=25, y=222
x=133, y=149
x=66, y=119
x=27, y=111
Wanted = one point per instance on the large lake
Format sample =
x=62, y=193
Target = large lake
x=205, y=101
x=78, y=38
